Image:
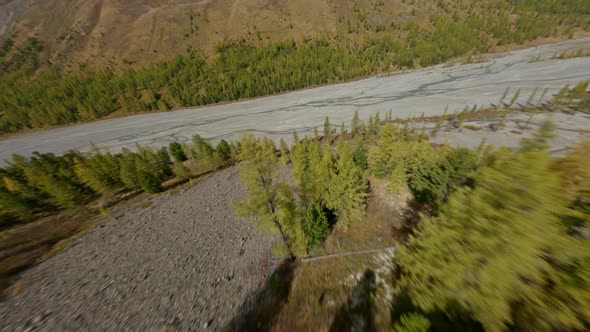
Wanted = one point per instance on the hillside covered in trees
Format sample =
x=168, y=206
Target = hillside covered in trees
x=41, y=93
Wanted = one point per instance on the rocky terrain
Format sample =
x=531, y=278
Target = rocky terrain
x=180, y=260
x=570, y=129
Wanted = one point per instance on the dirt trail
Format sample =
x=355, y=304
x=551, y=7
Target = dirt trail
x=184, y=262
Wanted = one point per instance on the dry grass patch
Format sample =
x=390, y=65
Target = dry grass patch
x=24, y=245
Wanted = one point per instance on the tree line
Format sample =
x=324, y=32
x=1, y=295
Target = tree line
x=46, y=183
x=35, y=96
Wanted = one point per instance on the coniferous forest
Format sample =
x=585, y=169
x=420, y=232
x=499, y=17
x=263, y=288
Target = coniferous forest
x=37, y=95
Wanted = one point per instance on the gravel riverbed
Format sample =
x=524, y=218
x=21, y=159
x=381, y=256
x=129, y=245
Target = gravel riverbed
x=183, y=262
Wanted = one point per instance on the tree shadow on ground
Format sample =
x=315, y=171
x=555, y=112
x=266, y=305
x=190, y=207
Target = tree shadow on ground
x=261, y=308
x=357, y=313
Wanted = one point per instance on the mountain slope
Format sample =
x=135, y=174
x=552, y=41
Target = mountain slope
x=76, y=62
x=101, y=32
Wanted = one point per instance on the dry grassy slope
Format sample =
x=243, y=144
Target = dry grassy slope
x=101, y=32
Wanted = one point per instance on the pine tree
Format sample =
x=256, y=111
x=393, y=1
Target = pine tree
x=348, y=189
x=224, y=150
x=499, y=244
x=90, y=176
x=128, y=169
x=359, y=156
x=315, y=225
x=363, y=130
x=53, y=176
x=430, y=182
x=289, y=216
x=202, y=148
x=181, y=171
x=163, y=161
x=327, y=130
x=397, y=179
x=149, y=182
x=541, y=138
x=355, y=124
x=177, y=152
x=284, y=150
x=12, y=206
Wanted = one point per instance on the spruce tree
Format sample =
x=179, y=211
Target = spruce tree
x=348, y=189
x=54, y=176
x=149, y=182
x=327, y=129
x=163, y=161
x=224, y=150
x=181, y=171
x=177, y=152
x=360, y=157
x=315, y=225
x=128, y=169
x=12, y=206
x=284, y=151
x=93, y=178
x=289, y=217
x=202, y=148
x=355, y=124
x=397, y=178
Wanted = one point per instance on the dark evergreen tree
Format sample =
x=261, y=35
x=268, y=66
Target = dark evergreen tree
x=177, y=152
x=224, y=150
